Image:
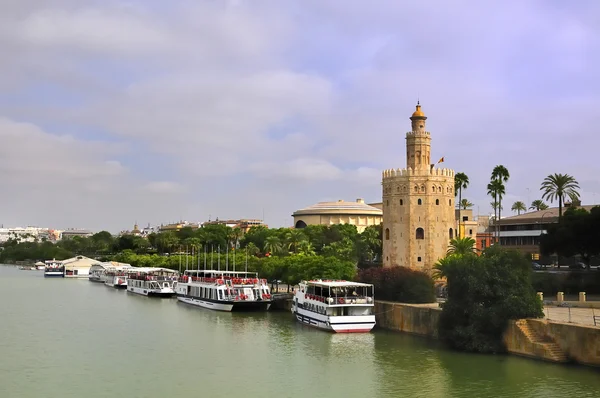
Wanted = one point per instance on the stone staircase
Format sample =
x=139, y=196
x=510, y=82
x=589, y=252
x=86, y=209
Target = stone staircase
x=543, y=344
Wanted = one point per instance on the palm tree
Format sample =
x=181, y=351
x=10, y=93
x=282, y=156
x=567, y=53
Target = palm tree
x=465, y=204
x=519, y=206
x=501, y=175
x=462, y=246
x=461, y=181
x=294, y=237
x=306, y=248
x=538, y=205
x=559, y=186
x=272, y=244
x=496, y=191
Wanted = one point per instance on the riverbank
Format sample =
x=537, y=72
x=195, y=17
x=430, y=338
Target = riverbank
x=541, y=339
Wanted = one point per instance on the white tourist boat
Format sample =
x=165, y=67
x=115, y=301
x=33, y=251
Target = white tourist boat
x=97, y=273
x=159, y=282
x=116, y=276
x=337, y=306
x=54, y=269
x=224, y=290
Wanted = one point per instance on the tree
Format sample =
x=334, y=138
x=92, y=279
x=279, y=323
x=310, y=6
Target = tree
x=519, y=206
x=499, y=177
x=272, y=245
x=461, y=181
x=495, y=189
x=465, y=204
x=559, y=186
x=484, y=293
x=462, y=246
x=577, y=233
x=538, y=205
x=293, y=238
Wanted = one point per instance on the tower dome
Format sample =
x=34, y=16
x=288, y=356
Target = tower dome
x=418, y=113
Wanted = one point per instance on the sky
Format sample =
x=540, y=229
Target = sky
x=115, y=112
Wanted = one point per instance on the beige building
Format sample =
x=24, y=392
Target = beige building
x=418, y=204
x=341, y=212
x=466, y=224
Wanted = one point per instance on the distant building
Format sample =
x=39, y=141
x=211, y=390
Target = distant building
x=466, y=225
x=341, y=212
x=71, y=233
x=27, y=234
x=484, y=237
x=523, y=232
x=177, y=226
x=244, y=224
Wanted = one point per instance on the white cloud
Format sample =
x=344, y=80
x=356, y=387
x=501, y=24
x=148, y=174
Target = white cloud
x=167, y=110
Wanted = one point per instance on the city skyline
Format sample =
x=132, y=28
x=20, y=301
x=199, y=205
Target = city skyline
x=114, y=111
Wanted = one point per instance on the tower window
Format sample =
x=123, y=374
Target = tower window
x=419, y=202
x=387, y=202
x=433, y=189
x=420, y=233
x=416, y=189
x=401, y=202
x=451, y=233
x=387, y=234
x=419, y=259
x=470, y=232
x=437, y=202
x=449, y=202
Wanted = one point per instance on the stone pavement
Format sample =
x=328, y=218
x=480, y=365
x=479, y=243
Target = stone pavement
x=583, y=316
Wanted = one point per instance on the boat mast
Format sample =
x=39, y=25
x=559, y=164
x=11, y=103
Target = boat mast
x=234, y=255
x=227, y=257
x=186, y=257
x=212, y=253
x=219, y=258
x=205, y=256
x=180, y=259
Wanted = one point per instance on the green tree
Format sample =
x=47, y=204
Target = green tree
x=559, y=186
x=499, y=177
x=538, y=205
x=519, y=206
x=272, y=245
x=484, y=293
x=461, y=181
x=462, y=246
x=465, y=204
x=293, y=238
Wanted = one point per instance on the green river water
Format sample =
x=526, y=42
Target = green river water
x=74, y=338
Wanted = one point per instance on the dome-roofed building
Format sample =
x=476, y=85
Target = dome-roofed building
x=341, y=212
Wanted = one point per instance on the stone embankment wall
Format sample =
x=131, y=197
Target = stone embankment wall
x=534, y=338
x=420, y=319
x=550, y=340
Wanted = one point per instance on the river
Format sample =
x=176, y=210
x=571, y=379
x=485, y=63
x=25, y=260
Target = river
x=73, y=338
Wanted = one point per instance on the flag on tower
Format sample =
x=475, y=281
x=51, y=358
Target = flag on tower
x=441, y=160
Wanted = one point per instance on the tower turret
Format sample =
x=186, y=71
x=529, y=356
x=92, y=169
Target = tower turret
x=418, y=142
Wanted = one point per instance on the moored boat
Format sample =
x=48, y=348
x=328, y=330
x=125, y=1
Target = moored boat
x=97, y=272
x=54, y=269
x=158, y=282
x=116, y=276
x=224, y=290
x=334, y=305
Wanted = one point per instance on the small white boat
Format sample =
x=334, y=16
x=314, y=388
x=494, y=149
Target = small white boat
x=97, y=272
x=54, y=269
x=224, y=290
x=117, y=276
x=334, y=305
x=158, y=282
x=40, y=266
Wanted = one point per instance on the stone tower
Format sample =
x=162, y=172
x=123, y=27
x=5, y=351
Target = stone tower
x=418, y=205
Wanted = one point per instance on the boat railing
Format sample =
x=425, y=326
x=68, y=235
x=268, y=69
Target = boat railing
x=223, y=281
x=340, y=300
x=152, y=278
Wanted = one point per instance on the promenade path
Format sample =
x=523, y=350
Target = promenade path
x=583, y=316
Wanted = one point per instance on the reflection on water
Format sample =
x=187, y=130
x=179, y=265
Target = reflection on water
x=72, y=338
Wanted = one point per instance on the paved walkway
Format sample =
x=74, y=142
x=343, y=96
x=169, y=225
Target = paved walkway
x=584, y=316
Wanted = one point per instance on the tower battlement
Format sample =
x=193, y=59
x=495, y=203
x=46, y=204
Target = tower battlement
x=407, y=171
x=418, y=134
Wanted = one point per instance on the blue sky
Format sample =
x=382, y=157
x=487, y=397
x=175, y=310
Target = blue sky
x=114, y=111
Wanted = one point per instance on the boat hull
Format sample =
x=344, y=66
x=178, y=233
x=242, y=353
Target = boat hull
x=53, y=275
x=227, y=306
x=336, y=324
x=95, y=279
x=163, y=293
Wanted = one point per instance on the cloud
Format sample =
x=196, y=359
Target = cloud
x=146, y=110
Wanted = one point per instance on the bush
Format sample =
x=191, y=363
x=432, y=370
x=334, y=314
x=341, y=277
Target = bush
x=399, y=284
x=484, y=293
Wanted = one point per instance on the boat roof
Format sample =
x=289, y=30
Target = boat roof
x=152, y=269
x=336, y=283
x=220, y=272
